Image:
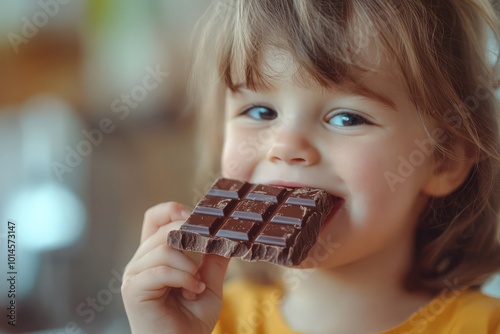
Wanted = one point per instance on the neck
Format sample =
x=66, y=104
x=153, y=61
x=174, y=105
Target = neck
x=371, y=287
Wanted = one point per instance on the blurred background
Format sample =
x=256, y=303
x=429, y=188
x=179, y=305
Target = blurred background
x=93, y=131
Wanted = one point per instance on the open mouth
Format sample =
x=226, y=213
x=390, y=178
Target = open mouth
x=337, y=204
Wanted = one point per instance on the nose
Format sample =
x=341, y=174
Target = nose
x=293, y=149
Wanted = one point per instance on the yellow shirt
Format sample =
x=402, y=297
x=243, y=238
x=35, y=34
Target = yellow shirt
x=254, y=309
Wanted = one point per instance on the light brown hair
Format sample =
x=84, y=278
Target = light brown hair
x=440, y=48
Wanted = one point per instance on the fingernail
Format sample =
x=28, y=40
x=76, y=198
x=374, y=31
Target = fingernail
x=201, y=286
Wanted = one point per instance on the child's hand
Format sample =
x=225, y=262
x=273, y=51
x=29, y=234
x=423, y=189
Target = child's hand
x=165, y=291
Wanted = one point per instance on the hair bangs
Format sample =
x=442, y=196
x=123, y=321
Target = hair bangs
x=324, y=40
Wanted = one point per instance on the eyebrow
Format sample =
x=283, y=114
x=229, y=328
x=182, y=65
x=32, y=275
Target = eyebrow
x=357, y=88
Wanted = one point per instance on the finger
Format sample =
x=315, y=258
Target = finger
x=153, y=283
x=213, y=269
x=160, y=215
x=163, y=255
x=188, y=295
x=157, y=239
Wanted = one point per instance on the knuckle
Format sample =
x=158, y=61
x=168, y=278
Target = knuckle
x=159, y=209
x=162, y=271
x=165, y=229
x=187, y=277
x=126, y=286
x=150, y=213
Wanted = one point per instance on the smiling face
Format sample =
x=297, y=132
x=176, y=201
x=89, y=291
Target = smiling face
x=344, y=140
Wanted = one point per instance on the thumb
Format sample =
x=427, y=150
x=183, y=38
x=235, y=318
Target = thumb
x=212, y=270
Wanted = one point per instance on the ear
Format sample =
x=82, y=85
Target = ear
x=450, y=171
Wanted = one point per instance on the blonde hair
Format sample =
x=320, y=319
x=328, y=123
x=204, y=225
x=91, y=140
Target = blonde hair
x=441, y=49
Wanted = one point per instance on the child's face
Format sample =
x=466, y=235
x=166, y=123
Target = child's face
x=349, y=142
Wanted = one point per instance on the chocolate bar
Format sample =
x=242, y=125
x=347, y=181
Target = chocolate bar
x=255, y=222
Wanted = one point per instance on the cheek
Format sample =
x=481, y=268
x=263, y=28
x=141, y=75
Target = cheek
x=367, y=170
x=384, y=176
x=239, y=155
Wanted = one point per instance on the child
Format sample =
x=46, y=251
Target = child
x=388, y=105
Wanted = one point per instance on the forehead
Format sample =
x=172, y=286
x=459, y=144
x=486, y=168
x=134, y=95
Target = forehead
x=277, y=66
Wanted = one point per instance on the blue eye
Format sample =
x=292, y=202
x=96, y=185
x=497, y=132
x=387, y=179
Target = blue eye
x=345, y=118
x=260, y=113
